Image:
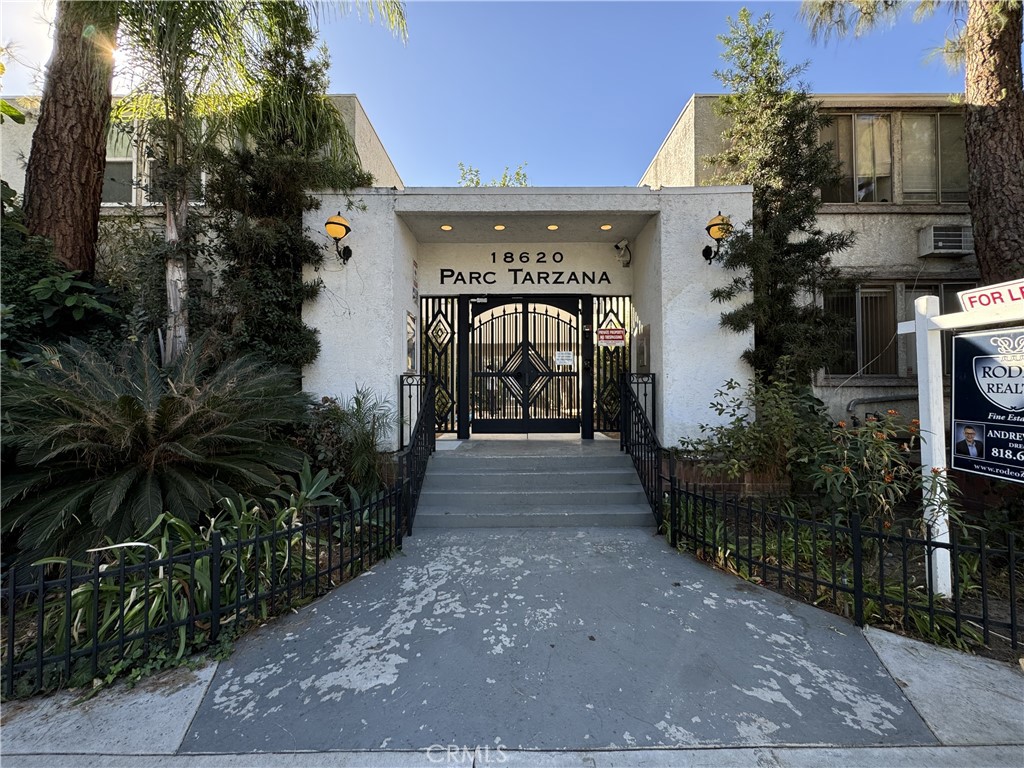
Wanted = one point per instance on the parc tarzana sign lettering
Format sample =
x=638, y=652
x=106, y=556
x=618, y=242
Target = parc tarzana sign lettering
x=524, y=268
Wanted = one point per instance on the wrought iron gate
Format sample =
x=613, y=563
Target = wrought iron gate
x=524, y=388
x=610, y=362
x=525, y=362
x=438, y=321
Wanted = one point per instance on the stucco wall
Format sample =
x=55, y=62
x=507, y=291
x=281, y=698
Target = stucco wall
x=357, y=311
x=697, y=356
x=372, y=153
x=362, y=311
x=697, y=133
x=673, y=163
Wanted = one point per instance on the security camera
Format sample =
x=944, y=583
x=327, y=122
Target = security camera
x=624, y=255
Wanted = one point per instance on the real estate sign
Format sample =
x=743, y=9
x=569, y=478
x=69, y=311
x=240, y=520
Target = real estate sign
x=988, y=403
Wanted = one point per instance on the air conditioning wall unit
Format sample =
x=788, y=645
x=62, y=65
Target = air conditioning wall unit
x=945, y=240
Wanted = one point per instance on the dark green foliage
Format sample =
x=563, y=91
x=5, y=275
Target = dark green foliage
x=781, y=255
x=345, y=439
x=790, y=425
x=102, y=448
x=260, y=191
x=43, y=304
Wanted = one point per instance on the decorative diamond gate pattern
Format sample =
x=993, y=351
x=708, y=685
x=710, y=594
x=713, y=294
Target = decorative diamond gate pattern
x=496, y=391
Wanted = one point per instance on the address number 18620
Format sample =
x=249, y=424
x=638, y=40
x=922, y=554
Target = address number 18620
x=525, y=257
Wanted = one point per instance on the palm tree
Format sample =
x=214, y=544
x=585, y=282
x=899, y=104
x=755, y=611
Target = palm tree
x=197, y=61
x=194, y=60
x=990, y=47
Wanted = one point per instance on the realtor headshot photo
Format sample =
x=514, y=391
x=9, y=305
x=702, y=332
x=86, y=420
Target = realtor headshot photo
x=971, y=440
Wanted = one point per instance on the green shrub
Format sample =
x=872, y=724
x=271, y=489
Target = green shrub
x=346, y=440
x=102, y=448
x=867, y=470
x=772, y=427
x=43, y=303
x=268, y=549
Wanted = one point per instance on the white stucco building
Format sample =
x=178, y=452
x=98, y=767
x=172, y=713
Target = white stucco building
x=526, y=304
x=530, y=282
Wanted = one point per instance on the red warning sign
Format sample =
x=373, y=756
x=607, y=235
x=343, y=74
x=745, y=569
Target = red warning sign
x=611, y=337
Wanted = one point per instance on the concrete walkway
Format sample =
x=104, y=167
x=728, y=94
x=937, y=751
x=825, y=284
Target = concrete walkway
x=528, y=647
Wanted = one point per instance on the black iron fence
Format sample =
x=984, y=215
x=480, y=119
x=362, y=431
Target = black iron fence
x=422, y=439
x=878, y=572
x=638, y=436
x=68, y=622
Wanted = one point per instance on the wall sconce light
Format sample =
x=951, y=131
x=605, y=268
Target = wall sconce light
x=718, y=229
x=337, y=229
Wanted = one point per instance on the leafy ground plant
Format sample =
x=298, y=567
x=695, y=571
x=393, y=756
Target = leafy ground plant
x=101, y=448
x=134, y=607
x=347, y=439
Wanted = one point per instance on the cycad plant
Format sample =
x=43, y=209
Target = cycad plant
x=101, y=448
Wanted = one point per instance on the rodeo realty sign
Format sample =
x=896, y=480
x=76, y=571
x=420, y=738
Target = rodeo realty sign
x=988, y=403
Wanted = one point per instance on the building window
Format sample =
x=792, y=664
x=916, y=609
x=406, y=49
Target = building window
x=863, y=149
x=872, y=347
x=934, y=159
x=119, y=172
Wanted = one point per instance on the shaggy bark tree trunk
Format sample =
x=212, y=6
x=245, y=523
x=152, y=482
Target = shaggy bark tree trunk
x=64, y=178
x=994, y=132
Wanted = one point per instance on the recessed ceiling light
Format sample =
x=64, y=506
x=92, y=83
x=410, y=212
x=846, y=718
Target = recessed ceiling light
x=499, y=227
x=552, y=227
x=446, y=227
x=606, y=227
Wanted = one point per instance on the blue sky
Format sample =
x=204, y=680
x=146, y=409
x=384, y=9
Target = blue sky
x=582, y=92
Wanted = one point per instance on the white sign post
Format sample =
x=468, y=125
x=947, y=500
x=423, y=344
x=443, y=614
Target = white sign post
x=927, y=326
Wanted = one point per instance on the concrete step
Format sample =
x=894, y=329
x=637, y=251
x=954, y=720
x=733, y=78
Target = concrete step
x=448, y=462
x=463, y=499
x=499, y=484
x=607, y=516
x=514, y=479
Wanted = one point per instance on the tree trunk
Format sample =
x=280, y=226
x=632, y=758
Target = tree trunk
x=64, y=178
x=175, y=225
x=176, y=275
x=994, y=131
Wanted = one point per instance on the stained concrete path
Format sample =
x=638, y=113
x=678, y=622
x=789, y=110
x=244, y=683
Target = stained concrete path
x=593, y=647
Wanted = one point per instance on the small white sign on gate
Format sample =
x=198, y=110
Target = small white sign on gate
x=564, y=358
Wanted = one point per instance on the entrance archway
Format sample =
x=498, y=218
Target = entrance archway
x=526, y=358
x=526, y=363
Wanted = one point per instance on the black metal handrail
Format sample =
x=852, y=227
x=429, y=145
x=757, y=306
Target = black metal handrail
x=638, y=437
x=422, y=443
x=410, y=402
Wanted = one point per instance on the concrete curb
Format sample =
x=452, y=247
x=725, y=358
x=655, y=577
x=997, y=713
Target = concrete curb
x=726, y=757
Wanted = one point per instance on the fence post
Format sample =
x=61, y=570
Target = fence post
x=858, y=570
x=933, y=448
x=215, y=547
x=673, y=503
x=623, y=418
